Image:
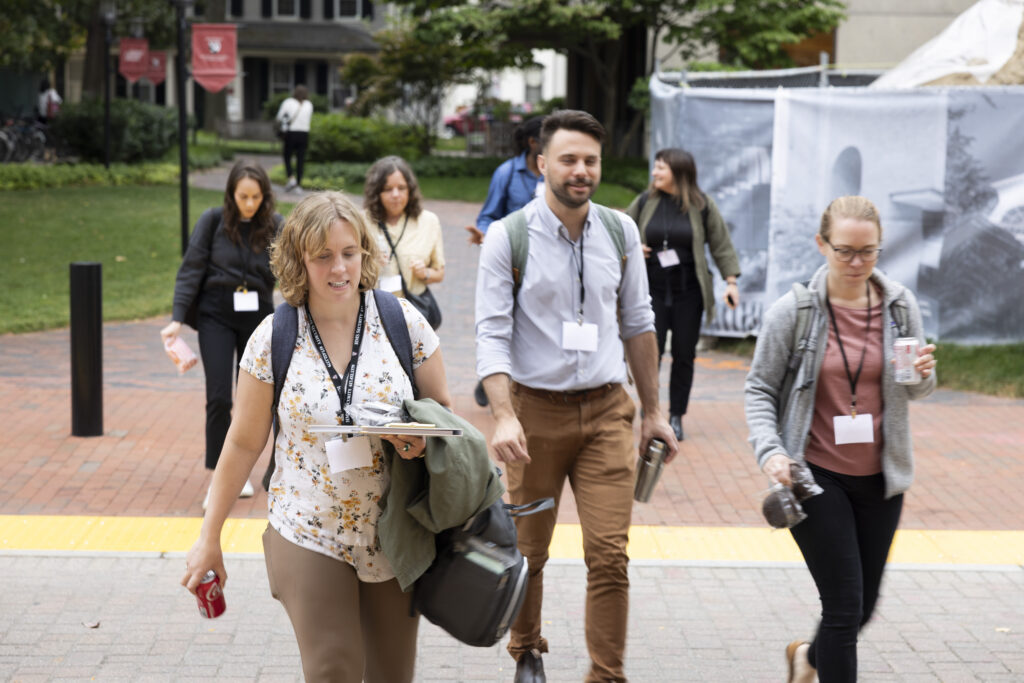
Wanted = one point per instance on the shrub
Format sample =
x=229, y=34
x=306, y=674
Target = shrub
x=337, y=137
x=271, y=106
x=138, y=131
x=39, y=176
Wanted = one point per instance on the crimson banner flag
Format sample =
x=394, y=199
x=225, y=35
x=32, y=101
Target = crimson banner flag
x=157, y=71
x=214, y=47
x=134, y=60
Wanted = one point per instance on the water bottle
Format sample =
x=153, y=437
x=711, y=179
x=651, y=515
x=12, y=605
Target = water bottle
x=648, y=470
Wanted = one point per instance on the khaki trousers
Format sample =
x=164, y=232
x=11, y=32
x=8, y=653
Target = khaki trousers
x=348, y=630
x=591, y=442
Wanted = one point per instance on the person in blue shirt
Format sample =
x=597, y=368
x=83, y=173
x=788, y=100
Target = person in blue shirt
x=514, y=183
x=513, y=186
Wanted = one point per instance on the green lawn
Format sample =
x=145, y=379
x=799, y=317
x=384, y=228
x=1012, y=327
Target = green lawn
x=133, y=231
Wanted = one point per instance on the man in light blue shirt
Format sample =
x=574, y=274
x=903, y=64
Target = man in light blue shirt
x=553, y=362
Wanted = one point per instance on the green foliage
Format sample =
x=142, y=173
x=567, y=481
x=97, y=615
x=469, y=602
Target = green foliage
x=996, y=369
x=714, y=66
x=40, y=176
x=137, y=131
x=628, y=172
x=752, y=34
x=34, y=35
x=271, y=106
x=338, y=137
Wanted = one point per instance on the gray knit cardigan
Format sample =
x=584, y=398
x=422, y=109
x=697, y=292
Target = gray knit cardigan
x=789, y=435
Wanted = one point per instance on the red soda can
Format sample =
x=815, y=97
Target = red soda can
x=210, y=596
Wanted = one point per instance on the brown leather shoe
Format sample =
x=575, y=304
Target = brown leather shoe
x=530, y=668
x=800, y=669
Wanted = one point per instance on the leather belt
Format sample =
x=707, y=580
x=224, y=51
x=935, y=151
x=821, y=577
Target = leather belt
x=579, y=396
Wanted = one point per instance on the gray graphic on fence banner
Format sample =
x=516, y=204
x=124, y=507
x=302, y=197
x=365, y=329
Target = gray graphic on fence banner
x=945, y=167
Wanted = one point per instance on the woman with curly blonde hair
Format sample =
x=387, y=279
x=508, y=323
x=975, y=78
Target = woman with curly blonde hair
x=326, y=500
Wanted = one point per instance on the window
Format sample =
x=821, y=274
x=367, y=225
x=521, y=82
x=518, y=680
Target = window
x=348, y=9
x=286, y=8
x=280, y=78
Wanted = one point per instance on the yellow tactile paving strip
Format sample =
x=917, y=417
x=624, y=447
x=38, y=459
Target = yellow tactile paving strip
x=713, y=544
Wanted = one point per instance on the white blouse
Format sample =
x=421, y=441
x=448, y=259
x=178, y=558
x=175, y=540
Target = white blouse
x=334, y=514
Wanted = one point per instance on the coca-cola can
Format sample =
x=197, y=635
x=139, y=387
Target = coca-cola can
x=210, y=596
x=905, y=351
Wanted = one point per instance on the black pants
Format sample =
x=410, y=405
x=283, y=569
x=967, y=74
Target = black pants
x=845, y=541
x=295, y=143
x=679, y=309
x=223, y=334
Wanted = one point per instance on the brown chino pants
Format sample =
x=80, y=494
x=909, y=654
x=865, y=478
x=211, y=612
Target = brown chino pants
x=590, y=441
x=348, y=630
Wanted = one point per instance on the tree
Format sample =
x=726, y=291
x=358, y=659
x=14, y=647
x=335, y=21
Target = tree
x=35, y=35
x=416, y=63
x=753, y=30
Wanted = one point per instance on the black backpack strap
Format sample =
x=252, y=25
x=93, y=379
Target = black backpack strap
x=282, y=345
x=393, y=319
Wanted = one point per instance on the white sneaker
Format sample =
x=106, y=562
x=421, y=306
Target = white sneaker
x=247, y=490
x=290, y=185
x=206, y=500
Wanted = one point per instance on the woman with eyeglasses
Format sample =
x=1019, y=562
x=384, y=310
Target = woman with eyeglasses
x=846, y=418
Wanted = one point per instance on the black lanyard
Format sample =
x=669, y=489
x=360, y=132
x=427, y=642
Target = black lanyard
x=344, y=391
x=579, y=269
x=394, y=247
x=245, y=255
x=853, y=379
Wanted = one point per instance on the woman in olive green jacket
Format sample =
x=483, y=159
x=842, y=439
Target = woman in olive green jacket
x=676, y=220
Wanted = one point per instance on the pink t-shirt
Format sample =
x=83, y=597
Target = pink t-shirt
x=833, y=396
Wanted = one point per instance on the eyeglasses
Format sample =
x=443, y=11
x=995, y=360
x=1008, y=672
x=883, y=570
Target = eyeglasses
x=845, y=254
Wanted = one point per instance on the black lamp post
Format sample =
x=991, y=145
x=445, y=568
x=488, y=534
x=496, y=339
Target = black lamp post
x=108, y=12
x=179, y=82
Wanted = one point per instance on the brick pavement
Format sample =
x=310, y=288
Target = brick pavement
x=148, y=462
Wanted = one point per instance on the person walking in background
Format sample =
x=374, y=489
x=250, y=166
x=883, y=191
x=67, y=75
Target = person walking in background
x=550, y=350
x=224, y=289
x=514, y=184
x=295, y=115
x=49, y=102
x=409, y=235
x=847, y=419
x=676, y=220
x=334, y=559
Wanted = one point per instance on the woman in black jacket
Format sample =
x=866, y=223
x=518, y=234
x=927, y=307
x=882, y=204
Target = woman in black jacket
x=225, y=288
x=676, y=221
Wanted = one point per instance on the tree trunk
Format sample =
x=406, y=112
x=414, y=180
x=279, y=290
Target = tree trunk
x=216, y=102
x=627, y=139
x=610, y=115
x=95, y=52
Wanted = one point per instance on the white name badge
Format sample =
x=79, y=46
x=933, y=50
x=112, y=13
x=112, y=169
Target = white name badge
x=391, y=283
x=668, y=258
x=858, y=429
x=349, y=454
x=247, y=301
x=579, y=336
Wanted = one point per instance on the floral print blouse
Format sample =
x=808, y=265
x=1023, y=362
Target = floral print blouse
x=334, y=514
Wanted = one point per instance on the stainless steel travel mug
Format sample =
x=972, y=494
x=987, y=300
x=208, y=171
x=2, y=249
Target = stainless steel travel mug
x=648, y=470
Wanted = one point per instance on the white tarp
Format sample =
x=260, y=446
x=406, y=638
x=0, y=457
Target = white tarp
x=944, y=165
x=978, y=42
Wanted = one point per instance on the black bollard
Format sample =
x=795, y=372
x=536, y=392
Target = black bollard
x=86, y=349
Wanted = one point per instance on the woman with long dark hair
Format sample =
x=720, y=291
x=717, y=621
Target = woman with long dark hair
x=225, y=288
x=676, y=220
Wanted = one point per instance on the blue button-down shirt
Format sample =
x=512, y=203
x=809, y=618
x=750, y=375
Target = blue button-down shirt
x=513, y=186
x=523, y=338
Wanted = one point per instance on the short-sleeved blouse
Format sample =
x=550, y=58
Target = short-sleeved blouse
x=415, y=238
x=333, y=514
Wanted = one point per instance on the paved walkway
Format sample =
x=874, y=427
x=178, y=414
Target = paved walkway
x=92, y=529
